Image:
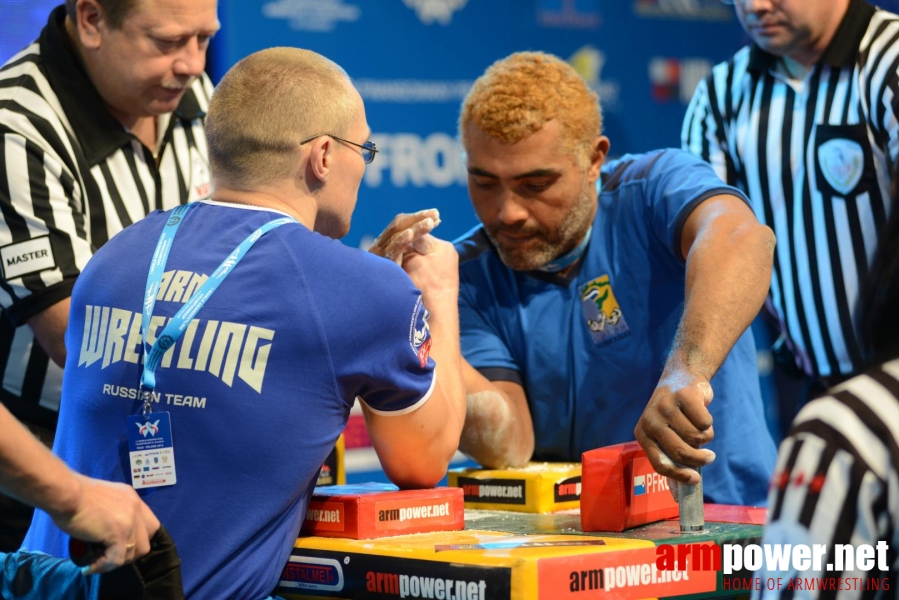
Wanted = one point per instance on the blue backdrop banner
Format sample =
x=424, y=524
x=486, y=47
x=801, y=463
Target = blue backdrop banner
x=413, y=61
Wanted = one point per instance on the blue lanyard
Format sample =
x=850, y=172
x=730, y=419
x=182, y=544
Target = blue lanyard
x=176, y=326
x=563, y=262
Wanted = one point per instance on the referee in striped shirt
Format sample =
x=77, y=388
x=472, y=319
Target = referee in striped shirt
x=806, y=121
x=837, y=470
x=101, y=122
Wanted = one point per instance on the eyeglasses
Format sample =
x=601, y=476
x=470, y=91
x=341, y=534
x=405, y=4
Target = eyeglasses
x=368, y=148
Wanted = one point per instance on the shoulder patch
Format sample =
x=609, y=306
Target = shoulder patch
x=24, y=258
x=419, y=333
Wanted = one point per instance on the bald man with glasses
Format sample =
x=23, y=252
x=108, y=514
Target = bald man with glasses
x=259, y=330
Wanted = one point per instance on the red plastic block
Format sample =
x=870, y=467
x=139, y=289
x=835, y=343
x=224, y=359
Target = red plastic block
x=620, y=490
x=374, y=510
x=729, y=513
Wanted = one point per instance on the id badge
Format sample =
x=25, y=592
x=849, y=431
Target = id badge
x=151, y=450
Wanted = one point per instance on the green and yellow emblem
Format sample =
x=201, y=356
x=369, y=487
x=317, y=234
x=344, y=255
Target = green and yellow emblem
x=604, y=317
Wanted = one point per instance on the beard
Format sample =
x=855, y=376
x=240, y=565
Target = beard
x=544, y=244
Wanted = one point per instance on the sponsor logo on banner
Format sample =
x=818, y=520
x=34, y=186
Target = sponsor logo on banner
x=842, y=163
x=493, y=491
x=604, y=317
x=312, y=15
x=567, y=490
x=693, y=10
x=406, y=159
x=572, y=14
x=311, y=573
x=439, y=11
x=676, y=79
x=418, y=91
x=588, y=61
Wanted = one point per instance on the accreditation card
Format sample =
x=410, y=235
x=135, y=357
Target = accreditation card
x=151, y=450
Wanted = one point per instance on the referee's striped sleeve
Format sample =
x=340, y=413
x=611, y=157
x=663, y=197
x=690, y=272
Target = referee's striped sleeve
x=836, y=480
x=38, y=197
x=883, y=75
x=704, y=132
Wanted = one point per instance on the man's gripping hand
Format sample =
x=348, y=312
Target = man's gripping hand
x=111, y=514
x=436, y=273
x=675, y=423
x=407, y=233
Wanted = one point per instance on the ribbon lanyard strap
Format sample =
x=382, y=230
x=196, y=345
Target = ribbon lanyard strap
x=563, y=262
x=176, y=326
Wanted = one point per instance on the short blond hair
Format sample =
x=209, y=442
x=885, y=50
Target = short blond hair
x=519, y=94
x=265, y=105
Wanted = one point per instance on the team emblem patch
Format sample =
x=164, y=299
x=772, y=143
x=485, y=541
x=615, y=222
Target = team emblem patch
x=842, y=162
x=419, y=333
x=604, y=317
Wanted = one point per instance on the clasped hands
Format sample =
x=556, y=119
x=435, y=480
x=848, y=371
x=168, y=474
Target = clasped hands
x=407, y=233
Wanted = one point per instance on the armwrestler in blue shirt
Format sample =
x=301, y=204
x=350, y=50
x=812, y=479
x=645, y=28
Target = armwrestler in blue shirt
x=599, y=302
x=262, y=380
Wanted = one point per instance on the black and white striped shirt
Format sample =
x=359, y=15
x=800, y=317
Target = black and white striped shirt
x=814, y=156
x=837, y=477
x=71, y=176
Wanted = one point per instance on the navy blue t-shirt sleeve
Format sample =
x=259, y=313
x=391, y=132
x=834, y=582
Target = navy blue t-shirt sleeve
x=381, y=343
x=676, y=183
